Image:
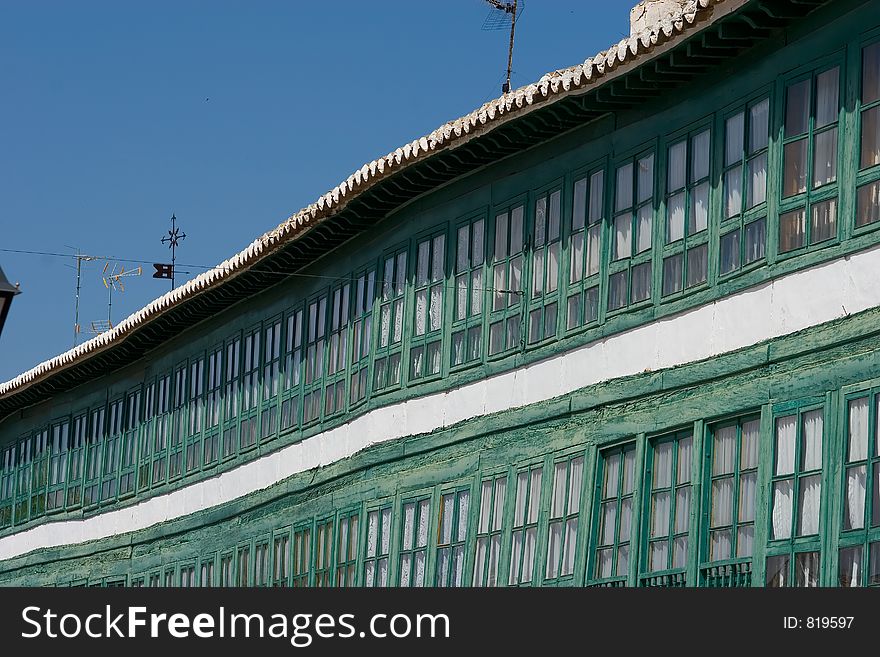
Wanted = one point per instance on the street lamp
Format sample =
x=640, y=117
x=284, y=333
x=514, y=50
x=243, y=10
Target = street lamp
x=7, y=291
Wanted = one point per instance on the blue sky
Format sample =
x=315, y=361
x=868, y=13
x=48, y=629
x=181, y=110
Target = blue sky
x=233, y=115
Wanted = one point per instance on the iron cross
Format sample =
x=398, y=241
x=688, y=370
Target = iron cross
x=173, y=239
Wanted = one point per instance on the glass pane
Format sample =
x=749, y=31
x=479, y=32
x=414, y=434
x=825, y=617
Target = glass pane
x=722, y=502
x=757, y=180
x=597, y=184
x=825, y=158
x=660, y=503
x=733, y=144
x=870, y=149
x=617, y=291
x=756, y=235
x=719, y=545
x=612, y=474
x=675, y=218
x=663, y=465
x=811, y=453
x=733, y=192
x=806, y=569
x=672, y=274
x=854, y=502
x=622, y=236
x=782, y=509
x=624, y=195
x=808, y=505
x=827, y=87
x=871, y=73
x=795, y=168
x=869, y=204
x=858, y=429
x=699, y=214
x=759, y=125
x=724, y=450
x=685, y=450
x=874, y=564
x=777, y=571
x=697, y=264
x=729, y=252
x=644, y=220
x=700, y=156
x=747, y=489
x=797, y=108
x=792, y=230
x=579, y=204
x=676, y=166
x=749, y=451
x=850, y=567
x=629, y=462
x=645, y=182
x=641, y=282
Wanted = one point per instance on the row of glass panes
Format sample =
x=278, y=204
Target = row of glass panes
x=328, y=356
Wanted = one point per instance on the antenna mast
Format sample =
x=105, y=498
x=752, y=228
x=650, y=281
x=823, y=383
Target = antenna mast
x=494, y=22
x=80, y=258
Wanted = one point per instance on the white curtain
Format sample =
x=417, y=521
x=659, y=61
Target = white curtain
x=720, y=545
x=679, y=552
x=552, y=267
x=759, y=122
x=603, y=568
x=519, y=511
x=663, y=465
x=786, y=430
x=571, y=529
x=722, y=502
x=827, y=86
x=554, y=547
x=646, y=178
x=516, y=230
x=724, y=450
x=825, y=158
x=757, y=180
x=557, y=505
x=850, y=561
x=854, y=517
x=579, y=204
x=623, y=560
x=597, y=194
x=643, y=236
x=700, y=156
x=622, y=236
x=485, y=506
x=751, y=435
x=624, y=195
x=574, y=485
x=858, y=429
x=747, y=489
x=745, y=541
x=676, y=166
x=675, y=218
x=535, y=495
x=810, y=494
x=612, y=472
x=625, y=530
x=782, y=509
x=386, y=531
x=593, y=238
x=529, y=554
x=812, y=439
x=660, y=514
x=577, y=257
x=372, y=532
x=421, y=311
x=609, y=519
x=685, y=452
x=659, y=555
x=733, y=145
x=409, y=521
x=682, y=509
x=733, y=191
x=419, y=576
x=629, y=464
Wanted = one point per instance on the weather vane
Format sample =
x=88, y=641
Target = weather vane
x=173, y=239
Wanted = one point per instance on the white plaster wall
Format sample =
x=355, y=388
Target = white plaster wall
x=770, y=310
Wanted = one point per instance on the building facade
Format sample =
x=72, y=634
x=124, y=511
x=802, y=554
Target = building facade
x=616, y=328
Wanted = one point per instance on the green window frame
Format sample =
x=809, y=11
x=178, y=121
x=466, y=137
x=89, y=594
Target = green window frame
x=507, y=266
x=490, y=528
x=249, y=413
x=470, y=292
x=809, y=200
x=316, y=335
x=685, y=253
x=429, y=285
x=39, y=472
x=281, y=558
x=545, y=265
x=347, y=538
x=213, y=406
x=271, y=379
x=76, y=461
x=743, y=235
x=262, y=563
x=178, y=423
x=523, y=562
x=414, y=535
x=93, y=452
x=291, y=406
x=196, y=410
x=231, y=380
x=377, y=550
x=392, y=320
x=362, y=335
x=615, y=513
x=324, y=552
x=7, y=486
x=452, y=537
x=629, y=269
x=585, y=249
x=859, y=555
x=565, y=509
x=868, y=113
x=302, y=555
x=128, y=458
x=58, y=449
x=732, y=452
x=667, y=522
x=796, y=495
x=337, y=349
x=112, y=448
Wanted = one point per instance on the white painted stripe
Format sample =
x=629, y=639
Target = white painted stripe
x=769, y=310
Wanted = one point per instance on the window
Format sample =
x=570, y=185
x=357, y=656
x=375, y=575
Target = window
x=76, y=462
x=112, y=445
x=733, y=453
x=427, y=339
x=565, y=507
x=302, y=555
x=467, y=320
x=58, y=449
x=451, y=537
x=281, y=559
x=227, y=570
x=378, y=547
x=39, y=473
x=178, y=424
x=232, y=366
x=744, y=216
x=362, y=336
x=629, y=274
x=386, y=368
x=271, y=380
x=546, y=264
x=94, y=443
x=128, y=455
x=244, y=565
x=261, y=563
x=585, y=240
x=290, y=406
x=868, y=205
x=859, y=561
x=507, y=285
x=686, y=254
x=213, y=405
x=802, y=571
x=187, y=576
x=414, y=542
x=492, y=497
x=808, y=213
x=22, y=498
x=524, y=537
x=347, y=548
x=206, y=574
x=7, y=486
x=797, y=474
x=670, y=502
x=334, y=395
x=314, y=371
x=194, y=437
x=617, y=474
x=324, y=553
x=250, y=391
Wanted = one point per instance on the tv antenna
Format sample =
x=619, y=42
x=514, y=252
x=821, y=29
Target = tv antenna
x=80, y=259
x=498, y=17
x=112, y=278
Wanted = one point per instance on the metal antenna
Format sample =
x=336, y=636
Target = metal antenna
x=112, y=281
x=497, y=21
x=80, y=259
x=173, y=239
